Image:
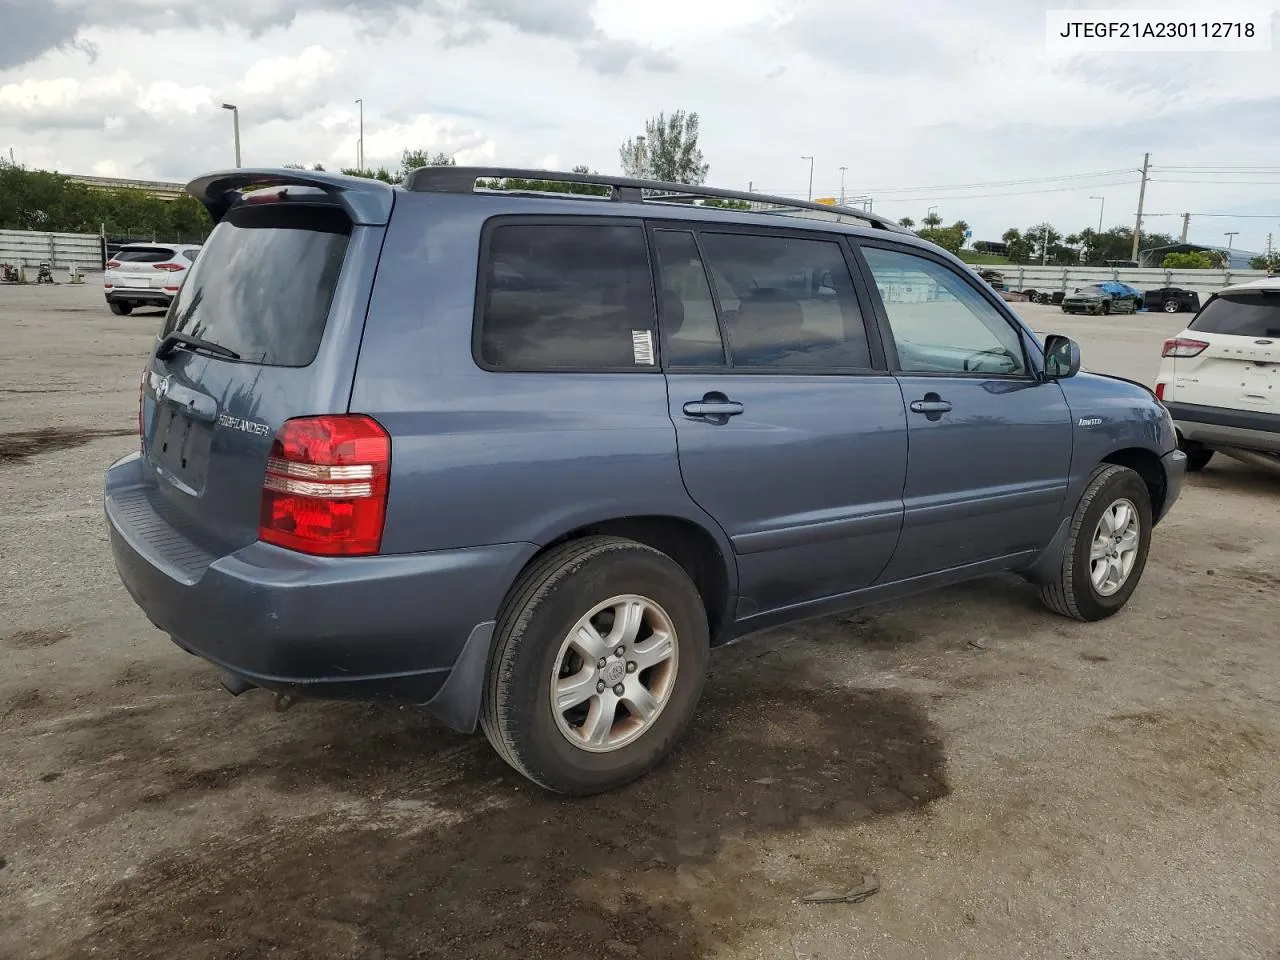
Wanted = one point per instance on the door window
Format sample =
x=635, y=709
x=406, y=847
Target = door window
x=784, y=303
x=567, y=297
x=940, y=323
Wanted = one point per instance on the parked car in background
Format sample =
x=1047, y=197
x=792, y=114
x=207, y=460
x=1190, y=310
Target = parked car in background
x=528, y=471
x=1172, y=300
x=146, y=275
x=1098, y=298
x=1220, y=378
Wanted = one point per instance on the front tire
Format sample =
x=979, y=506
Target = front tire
x=599, y=659
x=120, y=309
x=1107, y=547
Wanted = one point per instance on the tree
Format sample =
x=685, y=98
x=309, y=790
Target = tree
x=413, y=159
x=667, y=151
x=931, y=220
x=1190, y=260
x=47, y=201
x=1269, y=263
x=949, y=238
x=550, y=186
x=1017, y=246
x=906, y=222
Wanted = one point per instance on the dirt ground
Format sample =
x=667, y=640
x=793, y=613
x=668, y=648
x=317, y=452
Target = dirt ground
x=1022, y=786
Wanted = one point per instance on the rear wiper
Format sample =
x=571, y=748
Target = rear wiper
x=174, y=340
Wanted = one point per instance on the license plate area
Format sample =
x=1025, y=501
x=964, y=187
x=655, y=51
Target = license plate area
x=181, y=446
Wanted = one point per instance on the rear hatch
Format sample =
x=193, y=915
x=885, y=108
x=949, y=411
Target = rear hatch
x=143, y=268
x=1239, y=366
x=277, y=300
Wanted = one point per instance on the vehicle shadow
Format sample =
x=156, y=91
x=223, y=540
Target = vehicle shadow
x=434, y=848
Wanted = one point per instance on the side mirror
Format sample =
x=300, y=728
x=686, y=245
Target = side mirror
x=1061, y=357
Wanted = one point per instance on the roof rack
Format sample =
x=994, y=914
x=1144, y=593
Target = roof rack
x=623, y=189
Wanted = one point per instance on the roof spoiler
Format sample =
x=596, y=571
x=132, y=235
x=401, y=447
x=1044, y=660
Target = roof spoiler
x=366, y=201
x=623, y=189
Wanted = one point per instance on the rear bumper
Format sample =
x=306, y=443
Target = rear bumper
x=370, y=628
x=126, y=295
x=1226, y=427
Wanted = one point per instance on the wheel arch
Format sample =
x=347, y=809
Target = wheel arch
x=1146, y=464
x=705, y=555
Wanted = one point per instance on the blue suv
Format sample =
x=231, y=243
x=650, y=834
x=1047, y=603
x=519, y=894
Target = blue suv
x=525, y=457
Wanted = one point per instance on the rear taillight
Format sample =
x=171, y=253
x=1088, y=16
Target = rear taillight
x=1160, y=390
x=325, y=491
x=170, y=267
x=1183, y=347
x=112, y=264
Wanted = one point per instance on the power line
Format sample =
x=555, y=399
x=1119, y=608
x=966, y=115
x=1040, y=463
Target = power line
x=1204, y=168
x=1229, y=216
x=976, y=185
x=1224, y=183
x=1017, y=193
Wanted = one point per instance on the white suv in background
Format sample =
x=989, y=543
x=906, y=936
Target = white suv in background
x=146, y=274
x=1220, y=378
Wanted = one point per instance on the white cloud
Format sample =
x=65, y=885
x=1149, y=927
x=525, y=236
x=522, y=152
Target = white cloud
x=164, y=97
x=290, y=74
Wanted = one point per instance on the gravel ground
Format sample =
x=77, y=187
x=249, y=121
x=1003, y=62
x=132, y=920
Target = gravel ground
x=1021, y=785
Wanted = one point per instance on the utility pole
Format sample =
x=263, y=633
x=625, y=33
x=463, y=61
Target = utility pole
x=810, y=159
x=842, y=171
x=1142, y=196
x=1186, y=225
x=235, y=121
x=360, y=142
x=1102, y=205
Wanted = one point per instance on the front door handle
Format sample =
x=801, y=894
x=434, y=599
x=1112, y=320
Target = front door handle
x=930, y=406
x=712, y=408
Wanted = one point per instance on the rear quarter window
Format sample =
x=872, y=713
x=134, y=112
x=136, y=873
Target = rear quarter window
x=143, y=255
x=1241, y=315
x=264, y=281
x=566, y=296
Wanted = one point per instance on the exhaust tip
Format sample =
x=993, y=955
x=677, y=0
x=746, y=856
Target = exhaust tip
x=235, y=684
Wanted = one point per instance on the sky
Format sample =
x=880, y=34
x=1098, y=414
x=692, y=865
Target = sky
x=925, y=102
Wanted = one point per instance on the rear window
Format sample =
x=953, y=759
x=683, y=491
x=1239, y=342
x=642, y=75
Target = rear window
x=263, y=283
x=1241, y=315
x=143, y=255
x=567, y=297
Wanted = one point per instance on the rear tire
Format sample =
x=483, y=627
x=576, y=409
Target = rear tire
x=1172, y=306
x=1076, y=592
x=533, y=649
x=120, y=309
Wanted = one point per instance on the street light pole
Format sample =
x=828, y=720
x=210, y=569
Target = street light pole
x=842, y=172
x=360, y=142
x=235, y=123
x=1101, y=206
x=810, y=159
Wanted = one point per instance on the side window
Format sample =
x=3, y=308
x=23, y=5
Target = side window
x=940, y=323
x=786, y=303
x=690, y=333
x=190, y=254
x=567, y=297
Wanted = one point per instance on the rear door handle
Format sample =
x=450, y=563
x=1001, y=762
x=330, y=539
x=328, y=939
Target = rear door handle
x=712, y=408
x=931, y=405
